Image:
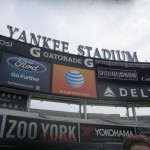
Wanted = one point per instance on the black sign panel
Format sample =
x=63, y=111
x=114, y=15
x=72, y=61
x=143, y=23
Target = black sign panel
x=8, y=44
x=20, y=48
x=23, y=73
x=13, y=101
x=104, y=133
x=22, y=128
x=116, y=81
x=142, y=131
x=122, y=72
x=123, y=93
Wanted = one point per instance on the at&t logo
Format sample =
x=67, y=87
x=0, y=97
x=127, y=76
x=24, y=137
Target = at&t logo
x=75, y=78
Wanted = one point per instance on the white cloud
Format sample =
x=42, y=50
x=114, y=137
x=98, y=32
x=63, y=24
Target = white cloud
x=111, y=24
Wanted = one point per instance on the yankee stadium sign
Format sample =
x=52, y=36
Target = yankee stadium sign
x=62, y=46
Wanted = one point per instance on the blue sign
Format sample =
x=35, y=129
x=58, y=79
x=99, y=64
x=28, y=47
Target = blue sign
x=23, y=73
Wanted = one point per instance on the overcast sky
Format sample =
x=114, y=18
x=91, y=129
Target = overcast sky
x=110, y=24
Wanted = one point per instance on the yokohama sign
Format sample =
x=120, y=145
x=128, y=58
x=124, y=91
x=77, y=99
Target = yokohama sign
x=102, y=133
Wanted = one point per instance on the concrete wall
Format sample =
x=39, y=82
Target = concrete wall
x=89, y=115
x=55, y=113
x=75, y=115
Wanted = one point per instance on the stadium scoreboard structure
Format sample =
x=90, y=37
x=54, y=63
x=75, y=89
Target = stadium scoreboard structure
x=29, y=72
x=54, y=75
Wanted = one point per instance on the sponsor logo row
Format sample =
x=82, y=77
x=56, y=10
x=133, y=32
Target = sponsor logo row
x=104, y=71
x=128, y=73
x=24, y=73
x=22, y=128
x=37, y=53
x=112, y=70
x=44, y=54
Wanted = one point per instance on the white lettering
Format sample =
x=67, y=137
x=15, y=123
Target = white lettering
x=134, y=92
x=22, y=130
x=89, y=62
x=32, y=129
x=24, y=65
x=113, y=133
x=123, y=92
x=54, y=131
x=44, y=129
x=34, y=51
x=9, y=133
x=71, y=132
x=62, y=58
x=63, y=132
x=142, y=93
x=7, y=44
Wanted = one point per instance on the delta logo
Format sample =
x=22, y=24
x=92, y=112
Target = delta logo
x=73, y=81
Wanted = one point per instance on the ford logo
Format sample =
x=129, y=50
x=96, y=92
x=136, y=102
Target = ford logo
x=75, y=78
x=26, y=64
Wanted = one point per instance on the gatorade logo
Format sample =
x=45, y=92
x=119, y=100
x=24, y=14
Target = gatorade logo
x=36, y=52
x=89, y=63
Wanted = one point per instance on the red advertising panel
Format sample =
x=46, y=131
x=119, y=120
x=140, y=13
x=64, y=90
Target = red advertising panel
x=73, y=81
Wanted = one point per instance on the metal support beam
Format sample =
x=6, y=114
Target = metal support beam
x=79, y=110
x=29, y=102
x=85, y=110
x=127, y=114
x=134, y=113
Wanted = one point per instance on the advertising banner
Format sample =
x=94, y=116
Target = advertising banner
x=104, y=133
x=122, y=73
x=27, y=50
x=8, y=44
x=37, y=69
x=123, y=93
x=120, y=81
x=23, y=73
x=22, y=128
x=13, y=101
x=142, y=131
x=73, y=81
